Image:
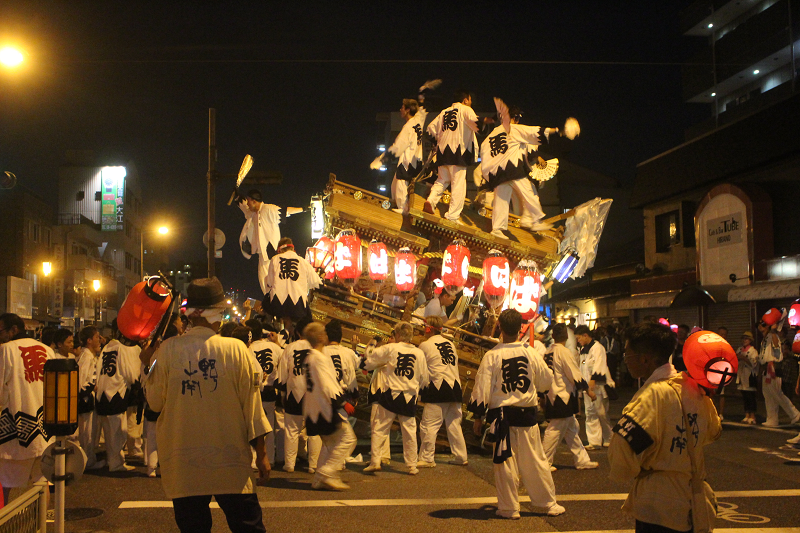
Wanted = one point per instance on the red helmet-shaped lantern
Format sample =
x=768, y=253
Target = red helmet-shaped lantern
x=796, y=343
x=455, y=266
x=793, y=318
x=347, y=257
x=710, y=360
x=144, y=308
x=378, y=262
x=321, y=254
x=525, y=289
x=405, y=270
x=772, y=317
x=496, y=272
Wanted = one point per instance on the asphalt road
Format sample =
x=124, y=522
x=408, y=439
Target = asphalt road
x=752, y=469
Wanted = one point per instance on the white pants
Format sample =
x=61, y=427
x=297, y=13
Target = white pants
x=567, y=429
x=134, y=444
x=598, y=429
x=150, y=446
x=774, y=398
x=456, y=178
x=88, y=434
x=400, y=194
x=115, y=429
x=274, y=439
x=528, y=462
x=381, y=424
x=294, y=426
x=432, y=417
x=531, y=206
x=336, y=447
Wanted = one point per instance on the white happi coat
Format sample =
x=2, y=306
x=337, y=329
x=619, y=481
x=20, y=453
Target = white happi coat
x=510, y=375
x=443, y=384
x=504, y=156
x=268, y=354
x=21, y=396
x=345, y=362
x=400, y=369
x=562, y=398
x=206, y=388
x=455, y=141
x=323, y=395
x=120, y=368
x=261, y=229
x=289, y=279
x=292, y=376
x=595, y=367
x=649, y=447
x=89, y=367
x=407, y=147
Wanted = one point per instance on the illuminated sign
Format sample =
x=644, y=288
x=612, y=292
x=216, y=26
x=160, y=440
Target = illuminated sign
x=112, y=181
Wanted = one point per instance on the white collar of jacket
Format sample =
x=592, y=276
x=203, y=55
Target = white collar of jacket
x=663, y=372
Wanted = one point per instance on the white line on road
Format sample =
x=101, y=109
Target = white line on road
x=468, y=501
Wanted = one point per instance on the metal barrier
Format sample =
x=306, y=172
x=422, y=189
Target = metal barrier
x=26, y=514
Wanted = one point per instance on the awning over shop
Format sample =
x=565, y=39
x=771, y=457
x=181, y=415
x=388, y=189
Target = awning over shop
x=692, y=296
x=766, y=290
x=646, y=301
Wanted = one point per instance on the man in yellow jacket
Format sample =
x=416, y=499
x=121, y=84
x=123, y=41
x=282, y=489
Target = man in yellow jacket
x=658, y=442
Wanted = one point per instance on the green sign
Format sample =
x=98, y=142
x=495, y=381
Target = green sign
x=112, y=181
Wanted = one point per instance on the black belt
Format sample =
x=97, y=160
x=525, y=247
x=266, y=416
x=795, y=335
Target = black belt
x=502, y=420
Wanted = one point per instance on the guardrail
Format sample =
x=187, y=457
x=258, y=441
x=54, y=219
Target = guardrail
x=27, y=513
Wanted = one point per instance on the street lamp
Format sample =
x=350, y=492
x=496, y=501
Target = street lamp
x=96, y=285
x=10, y=57
x=47, y=267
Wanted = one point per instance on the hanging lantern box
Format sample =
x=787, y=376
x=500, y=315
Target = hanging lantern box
x=525, y=289
x=378, y=261
x=495, y=278
x=455, y=266
x=347, y=257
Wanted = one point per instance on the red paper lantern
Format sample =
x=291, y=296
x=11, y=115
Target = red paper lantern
x=405, y=270
x=321, y=254
x=796, y=343
x=496, y=272
x=793, y=318
x=710, y=360
x=455, y=267
x=526, y=288
x=347, y=257
x=143, y=309
x=773, y=316
x=378, y=263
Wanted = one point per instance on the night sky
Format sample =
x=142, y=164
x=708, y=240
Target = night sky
x=297, y=85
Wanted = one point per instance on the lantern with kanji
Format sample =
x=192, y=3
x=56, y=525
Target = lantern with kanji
x=321, y=254
x=405, y=270
x=495, y=278
x=793, y=318
x=455, y=266
x=378, y=262
x=525, y=289
x=347, y=257
x=710, y=359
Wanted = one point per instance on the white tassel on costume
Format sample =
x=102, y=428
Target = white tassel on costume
x=477, y=176
x=430, y=84
x=377, y=163
x=571, y=128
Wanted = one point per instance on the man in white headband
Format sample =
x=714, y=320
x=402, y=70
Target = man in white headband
x=199, y=382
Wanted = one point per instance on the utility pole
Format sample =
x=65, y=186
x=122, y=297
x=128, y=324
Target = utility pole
x=212, y=181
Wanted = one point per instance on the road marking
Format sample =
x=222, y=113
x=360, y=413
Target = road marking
x=462, y=501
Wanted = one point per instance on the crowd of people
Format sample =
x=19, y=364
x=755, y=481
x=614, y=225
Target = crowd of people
x=299, y=391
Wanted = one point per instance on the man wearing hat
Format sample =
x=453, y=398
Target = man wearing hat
x=260, y=234
x=207, y=389
x=770, y=354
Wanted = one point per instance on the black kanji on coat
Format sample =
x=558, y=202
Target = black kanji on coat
x=309, y=381
x=418, y=131
x=289, y=268
x=405, y=365
x=299, y=358
x=446, y=351
x=515, y=374
x=450, y=120
x=109, y=363
x=337, y=364
x=498, y=144
x=264, y=358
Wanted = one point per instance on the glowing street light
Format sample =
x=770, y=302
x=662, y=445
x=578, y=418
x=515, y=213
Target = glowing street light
x=10, y=57
x=96, y=285
x=163, y=230
x=47, y=268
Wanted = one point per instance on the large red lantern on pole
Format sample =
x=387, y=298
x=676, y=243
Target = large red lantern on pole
x=347, y=257
x=405, y=270
x=378, y=262
x=143, y=308
x=710, y=359
x=455, y=266
x=525, y=289
x=496, y=272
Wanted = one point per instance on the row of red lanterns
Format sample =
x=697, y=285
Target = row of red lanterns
x=342, y=258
